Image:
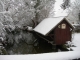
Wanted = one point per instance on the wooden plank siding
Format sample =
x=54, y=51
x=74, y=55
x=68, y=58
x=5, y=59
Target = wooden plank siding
x=62, y=35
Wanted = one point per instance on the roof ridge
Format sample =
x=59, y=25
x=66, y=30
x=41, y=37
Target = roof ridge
x=57, y=17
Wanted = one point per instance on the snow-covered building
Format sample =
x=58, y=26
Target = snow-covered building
x=57, y=29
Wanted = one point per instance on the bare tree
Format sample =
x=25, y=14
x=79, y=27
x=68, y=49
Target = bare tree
x=74, y=11
x=65, y=4
x=43, y=8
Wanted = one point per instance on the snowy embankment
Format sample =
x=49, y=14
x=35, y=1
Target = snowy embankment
x=50, y=56
x=45, y=56
x=76, y=42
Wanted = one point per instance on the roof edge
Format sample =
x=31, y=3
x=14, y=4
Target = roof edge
x=60, y=22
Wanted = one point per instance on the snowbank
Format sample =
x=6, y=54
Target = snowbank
x=76, y=41
x=45, y=56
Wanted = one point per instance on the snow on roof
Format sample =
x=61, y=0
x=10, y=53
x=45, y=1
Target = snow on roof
x=47, y=25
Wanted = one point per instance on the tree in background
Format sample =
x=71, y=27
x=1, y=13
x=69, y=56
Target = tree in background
x=15, y=16
x=65, y=4
x=73, y=10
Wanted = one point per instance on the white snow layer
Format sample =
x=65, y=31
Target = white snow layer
x=45, y=56
x=76, y=41
x=47, y=24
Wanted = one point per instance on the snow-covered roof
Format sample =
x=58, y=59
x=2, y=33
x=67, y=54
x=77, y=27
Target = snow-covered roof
x=47, y=25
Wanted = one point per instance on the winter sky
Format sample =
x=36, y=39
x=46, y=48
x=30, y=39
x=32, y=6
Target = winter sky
x=58, y=11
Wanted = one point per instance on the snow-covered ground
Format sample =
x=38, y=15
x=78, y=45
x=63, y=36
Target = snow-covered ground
x=76, y=41
x=50, y=56
x=45, y=56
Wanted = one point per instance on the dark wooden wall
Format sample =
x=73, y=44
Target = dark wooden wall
x=62, y=35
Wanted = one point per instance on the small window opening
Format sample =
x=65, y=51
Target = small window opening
x=63, y=26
